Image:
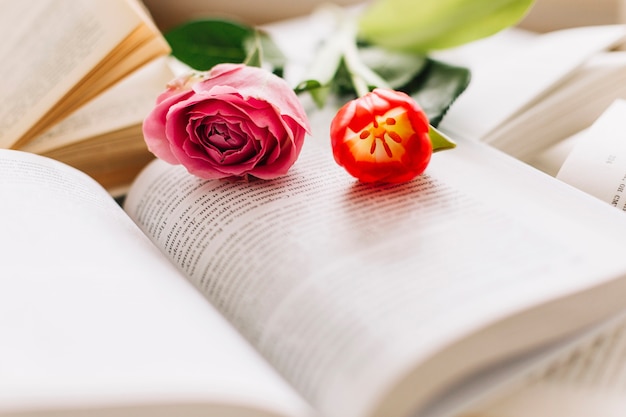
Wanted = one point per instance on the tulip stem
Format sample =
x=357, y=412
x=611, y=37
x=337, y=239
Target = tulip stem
x=360, y=86
x=362, y=77
x=337, y=50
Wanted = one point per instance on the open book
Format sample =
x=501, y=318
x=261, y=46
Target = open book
x=529, y=91
x=597, y=162
x=309, y=295
x=58, y=56
x=594, y=159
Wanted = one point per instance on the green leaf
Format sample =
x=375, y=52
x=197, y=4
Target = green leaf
x=255, y=52
x=322, y=74
x=307, y=85
x=437, y=87
x=427, y=25
x=396, y=68
x=440, y=141
x=263, y=52
x=318, y=92
x=202, y=44
x=322, y=86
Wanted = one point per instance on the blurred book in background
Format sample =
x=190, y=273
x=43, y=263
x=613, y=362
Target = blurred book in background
x=545, y=16
x=549, y=15
x=530, y=91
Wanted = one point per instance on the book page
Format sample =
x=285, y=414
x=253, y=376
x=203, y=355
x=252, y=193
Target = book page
x=510, y=79
x=95, y=321
x=48, y=47
x=551, y=160
x=597, y=163
x=123, y=105
x=566, y=109
x=370, y=299
x=104, y=138
x=587, y=378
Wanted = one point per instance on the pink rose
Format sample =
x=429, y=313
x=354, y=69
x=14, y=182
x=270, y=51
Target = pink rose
x=234, y=120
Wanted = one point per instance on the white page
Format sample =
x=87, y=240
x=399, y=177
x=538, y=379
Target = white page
x=597, y=163
x=587, y=378
x=93, y=317
x=503, y=86
x=568, y=108
x=346, y=287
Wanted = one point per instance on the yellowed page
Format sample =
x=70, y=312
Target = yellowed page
x=96, y=322
x=48, y=47
x=123, y=105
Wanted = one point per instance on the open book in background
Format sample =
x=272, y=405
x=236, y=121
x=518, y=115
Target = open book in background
x=58, y=56
x=597, y=162
x=594, y=159
x=104, y=138
x=529, y=92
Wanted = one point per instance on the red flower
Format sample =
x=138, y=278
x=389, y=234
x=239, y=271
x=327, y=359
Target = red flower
x=382, y=137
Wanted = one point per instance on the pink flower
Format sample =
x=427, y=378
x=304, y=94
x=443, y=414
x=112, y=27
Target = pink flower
x=233, y=121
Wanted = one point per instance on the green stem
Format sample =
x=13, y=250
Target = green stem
x=255, y=54
x=359, y=84
x=362, y=77
x=338, y=48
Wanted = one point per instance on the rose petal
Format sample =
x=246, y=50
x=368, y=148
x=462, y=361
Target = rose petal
x=258, y=83
x=154, y=130
x=236, y=120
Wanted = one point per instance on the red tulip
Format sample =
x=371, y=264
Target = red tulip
x=382, y=137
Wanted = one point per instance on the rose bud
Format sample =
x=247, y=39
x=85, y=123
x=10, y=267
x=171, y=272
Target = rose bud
x=381, y=137
x=233, y=121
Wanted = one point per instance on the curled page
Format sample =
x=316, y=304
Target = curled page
x=597, y=164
